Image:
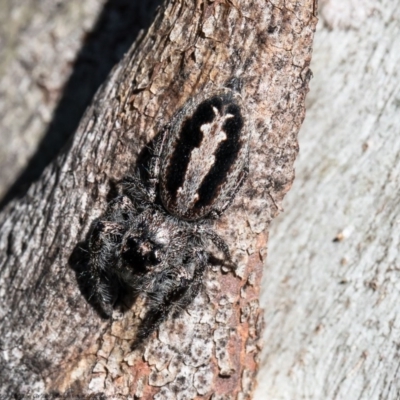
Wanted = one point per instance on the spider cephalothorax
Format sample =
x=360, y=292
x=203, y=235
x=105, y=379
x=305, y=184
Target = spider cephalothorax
x=154, y=237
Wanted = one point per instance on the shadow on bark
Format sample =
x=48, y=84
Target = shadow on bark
x=116, y=29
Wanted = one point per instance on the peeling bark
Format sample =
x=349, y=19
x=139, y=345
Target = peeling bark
x=52, y=341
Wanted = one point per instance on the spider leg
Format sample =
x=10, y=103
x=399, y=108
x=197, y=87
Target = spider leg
x=221, y=246
x=177, y=292
x=200, y=259
x=154, y=170
x=103, y=245
x=136, y=193
x=120, y=209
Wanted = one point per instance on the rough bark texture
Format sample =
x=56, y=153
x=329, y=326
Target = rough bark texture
x=332, y=283
x=54, y=56
x=52, y=341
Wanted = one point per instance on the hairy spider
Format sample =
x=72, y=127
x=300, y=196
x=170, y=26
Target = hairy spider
x=154, y=237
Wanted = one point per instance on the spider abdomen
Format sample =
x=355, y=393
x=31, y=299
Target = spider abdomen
x=204, y=156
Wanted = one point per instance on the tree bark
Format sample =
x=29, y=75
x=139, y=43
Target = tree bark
x=55, y=55
x=331, y=287
x=52, y=341
x=39, y=42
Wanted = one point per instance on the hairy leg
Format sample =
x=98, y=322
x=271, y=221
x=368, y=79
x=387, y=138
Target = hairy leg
x=174, y=294
x=154, y=170
x=103, y=246
x=120, y=210
x=221, y=245
x=200, y=259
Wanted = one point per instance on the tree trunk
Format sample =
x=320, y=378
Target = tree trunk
x=55, y=55
x=331, y=287
x=52, y=340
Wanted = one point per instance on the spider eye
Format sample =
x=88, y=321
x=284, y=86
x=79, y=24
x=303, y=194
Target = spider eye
x=155, y=257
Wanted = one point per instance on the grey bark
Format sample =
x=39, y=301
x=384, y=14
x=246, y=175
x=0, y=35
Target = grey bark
x=331, y=284
x=52, y=341
x=54, y=56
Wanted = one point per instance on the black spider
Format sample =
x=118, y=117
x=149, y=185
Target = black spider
x=154, y=236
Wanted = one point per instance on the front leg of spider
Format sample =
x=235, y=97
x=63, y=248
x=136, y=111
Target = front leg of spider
x=104, y=248
x=104, y=245
x=172, y=294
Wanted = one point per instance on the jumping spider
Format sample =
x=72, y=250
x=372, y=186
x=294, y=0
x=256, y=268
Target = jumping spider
x=154, y=237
